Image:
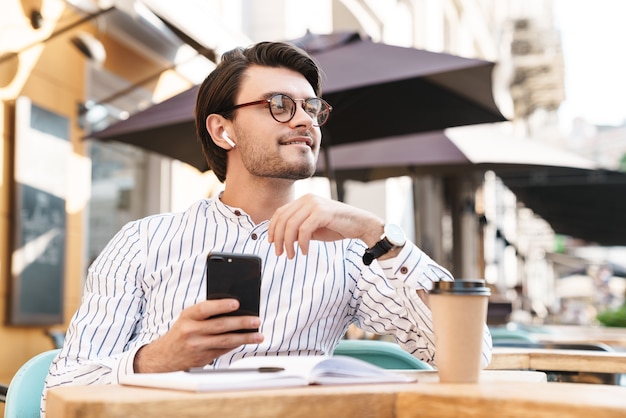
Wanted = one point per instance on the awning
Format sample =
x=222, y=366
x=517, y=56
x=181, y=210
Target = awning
x=585, y=204
x=457, y=150
x=564, y=189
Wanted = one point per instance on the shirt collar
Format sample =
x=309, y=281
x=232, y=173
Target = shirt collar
x=234, y=214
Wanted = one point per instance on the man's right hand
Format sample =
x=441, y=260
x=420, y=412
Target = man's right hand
x=195, y=341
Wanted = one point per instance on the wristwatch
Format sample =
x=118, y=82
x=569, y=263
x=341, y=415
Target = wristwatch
x=393, y=236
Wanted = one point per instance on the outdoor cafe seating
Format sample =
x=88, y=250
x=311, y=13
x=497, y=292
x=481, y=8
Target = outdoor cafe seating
x=509, y=336
x=513, y=336
x=522, y=394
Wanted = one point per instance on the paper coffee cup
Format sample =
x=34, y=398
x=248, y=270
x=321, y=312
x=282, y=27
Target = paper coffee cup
x=459, y=310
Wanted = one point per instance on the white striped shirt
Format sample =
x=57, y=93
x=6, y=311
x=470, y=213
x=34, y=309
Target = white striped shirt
x=155, y=267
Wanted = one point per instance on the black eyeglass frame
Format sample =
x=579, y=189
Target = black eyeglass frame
x=327, y=110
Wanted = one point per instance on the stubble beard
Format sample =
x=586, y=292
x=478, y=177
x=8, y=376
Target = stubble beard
x=262, y=164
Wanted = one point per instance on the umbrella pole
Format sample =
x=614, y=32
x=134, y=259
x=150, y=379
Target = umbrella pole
x=330, y=174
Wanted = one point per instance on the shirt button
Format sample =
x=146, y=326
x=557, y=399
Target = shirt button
x=254, y=236
x=404, y=270
x=238, y=213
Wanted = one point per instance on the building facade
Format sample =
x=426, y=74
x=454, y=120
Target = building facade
x=45, y=57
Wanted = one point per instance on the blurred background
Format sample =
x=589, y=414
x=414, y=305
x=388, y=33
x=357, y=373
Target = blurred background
x=533, y=204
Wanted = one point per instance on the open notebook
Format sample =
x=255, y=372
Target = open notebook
x=271, y=372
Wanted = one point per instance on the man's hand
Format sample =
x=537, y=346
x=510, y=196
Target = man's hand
x=195, y=341
x=315, y=218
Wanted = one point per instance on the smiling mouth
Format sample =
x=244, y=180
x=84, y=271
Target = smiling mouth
x=307, y=143
x=299, y=140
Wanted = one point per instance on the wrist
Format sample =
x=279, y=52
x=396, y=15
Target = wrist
x=374, y=235
x=389, y=245
x=391, y=253
x=137, y=360
x=142, y=362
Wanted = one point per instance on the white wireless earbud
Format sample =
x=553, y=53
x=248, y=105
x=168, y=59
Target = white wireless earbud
x=228, y=140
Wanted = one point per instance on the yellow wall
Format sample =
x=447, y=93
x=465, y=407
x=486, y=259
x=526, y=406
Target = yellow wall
x=52, y=75
x=52, y=83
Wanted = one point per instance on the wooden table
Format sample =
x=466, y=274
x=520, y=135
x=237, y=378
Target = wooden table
x=612, y=336
x=490, y=397
x=431, y=376
x=558, y=360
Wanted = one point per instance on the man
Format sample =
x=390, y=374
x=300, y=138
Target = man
x=325, y=266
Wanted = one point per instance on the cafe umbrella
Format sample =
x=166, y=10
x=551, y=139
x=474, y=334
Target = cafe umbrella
x=579, y=203
x=450, y=152
x=568, y=191
x=376, y=90
x=379, y=90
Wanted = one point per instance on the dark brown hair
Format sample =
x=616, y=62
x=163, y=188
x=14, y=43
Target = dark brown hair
x=219, y=90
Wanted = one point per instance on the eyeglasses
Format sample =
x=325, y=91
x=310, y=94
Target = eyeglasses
x=283, y=108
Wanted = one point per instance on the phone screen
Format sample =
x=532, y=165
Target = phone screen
x=235, y=276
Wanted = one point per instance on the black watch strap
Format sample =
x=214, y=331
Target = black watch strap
x=382, y=247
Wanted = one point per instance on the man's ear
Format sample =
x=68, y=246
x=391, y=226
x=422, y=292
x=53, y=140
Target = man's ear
x=216, y=126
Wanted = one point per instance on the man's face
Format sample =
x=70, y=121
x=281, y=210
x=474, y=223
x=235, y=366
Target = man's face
x=269, y=148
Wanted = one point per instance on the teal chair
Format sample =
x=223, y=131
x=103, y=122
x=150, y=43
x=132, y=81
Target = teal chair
x=24, y=394
x=384, y=354
x=507, y=336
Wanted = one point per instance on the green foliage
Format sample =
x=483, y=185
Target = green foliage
x=613, y=317
x=622, y=163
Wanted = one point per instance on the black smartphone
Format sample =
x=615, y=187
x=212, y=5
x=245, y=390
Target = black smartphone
x=235, y=276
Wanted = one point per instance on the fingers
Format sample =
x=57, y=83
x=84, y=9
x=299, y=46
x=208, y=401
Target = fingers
x=198, y=337
x=300, y=221
x=288, y=226
x=209, y=308
x=277, y=228
x=231, y=324
x=211, y=313
x=313, y=217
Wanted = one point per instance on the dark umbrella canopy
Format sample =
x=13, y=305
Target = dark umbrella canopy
x=564, y=189
x=166, y=128
x=443, y=153
x=379, y=90
x=583, y=204
x=376, y=90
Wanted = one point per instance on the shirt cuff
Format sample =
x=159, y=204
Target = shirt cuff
x=414, y=268
x=125, y=366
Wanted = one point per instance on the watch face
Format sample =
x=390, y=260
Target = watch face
x=395, y=235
